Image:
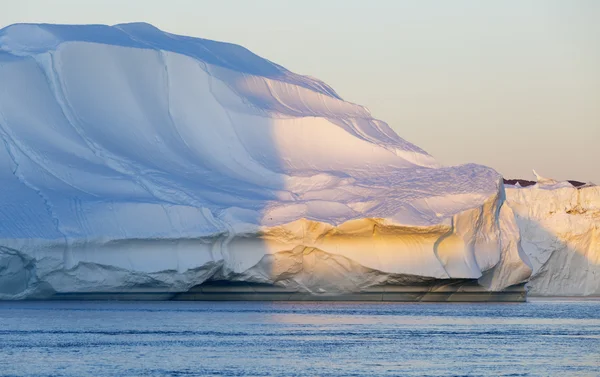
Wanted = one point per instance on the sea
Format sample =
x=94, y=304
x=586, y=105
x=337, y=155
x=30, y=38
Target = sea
x=94, y=338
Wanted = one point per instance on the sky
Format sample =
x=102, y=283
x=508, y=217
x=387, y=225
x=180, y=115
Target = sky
x=510, y=84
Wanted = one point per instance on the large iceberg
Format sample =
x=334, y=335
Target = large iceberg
x=132, y=158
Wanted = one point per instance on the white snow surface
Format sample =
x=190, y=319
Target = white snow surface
x=135, y=158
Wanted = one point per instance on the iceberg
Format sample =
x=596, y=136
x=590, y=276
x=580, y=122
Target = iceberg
x=136, y=160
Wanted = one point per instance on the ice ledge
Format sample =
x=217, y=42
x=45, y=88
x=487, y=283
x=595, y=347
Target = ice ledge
x=438, y=291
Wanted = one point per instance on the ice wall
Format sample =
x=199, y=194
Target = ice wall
x=560, y=233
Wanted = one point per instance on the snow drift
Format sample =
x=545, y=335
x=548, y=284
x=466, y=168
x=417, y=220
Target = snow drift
x=135, y=158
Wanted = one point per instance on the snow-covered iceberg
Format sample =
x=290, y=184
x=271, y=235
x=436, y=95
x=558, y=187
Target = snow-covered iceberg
x=132, y=158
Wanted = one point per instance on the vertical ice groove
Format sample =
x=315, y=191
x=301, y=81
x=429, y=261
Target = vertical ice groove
x=250, y=163
x=117, y=163
x=167, y=83
x=13, y=149
x=436, y=247
x=32, y=155
x=189, y=199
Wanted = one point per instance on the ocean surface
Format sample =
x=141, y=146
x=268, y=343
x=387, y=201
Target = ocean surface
x=540, y=338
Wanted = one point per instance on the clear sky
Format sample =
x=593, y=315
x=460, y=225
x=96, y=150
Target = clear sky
x=510, y=84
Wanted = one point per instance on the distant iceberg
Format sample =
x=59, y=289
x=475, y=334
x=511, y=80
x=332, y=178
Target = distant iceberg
x=136, y=159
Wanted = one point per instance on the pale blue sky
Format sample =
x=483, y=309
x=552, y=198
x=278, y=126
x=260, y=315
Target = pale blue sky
x=510, y=84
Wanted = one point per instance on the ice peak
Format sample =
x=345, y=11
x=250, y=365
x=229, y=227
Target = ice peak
x=543, y=180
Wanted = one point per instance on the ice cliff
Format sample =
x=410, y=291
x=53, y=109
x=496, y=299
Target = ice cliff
x=559, y=228
x=135, y=158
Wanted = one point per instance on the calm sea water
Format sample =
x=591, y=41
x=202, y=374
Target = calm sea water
x=299, y=339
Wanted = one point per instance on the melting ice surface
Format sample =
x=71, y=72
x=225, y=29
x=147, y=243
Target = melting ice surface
x=302, y=339
x=135, y=158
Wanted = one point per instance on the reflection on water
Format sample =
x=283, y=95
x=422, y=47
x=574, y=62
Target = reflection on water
x=299, y=339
